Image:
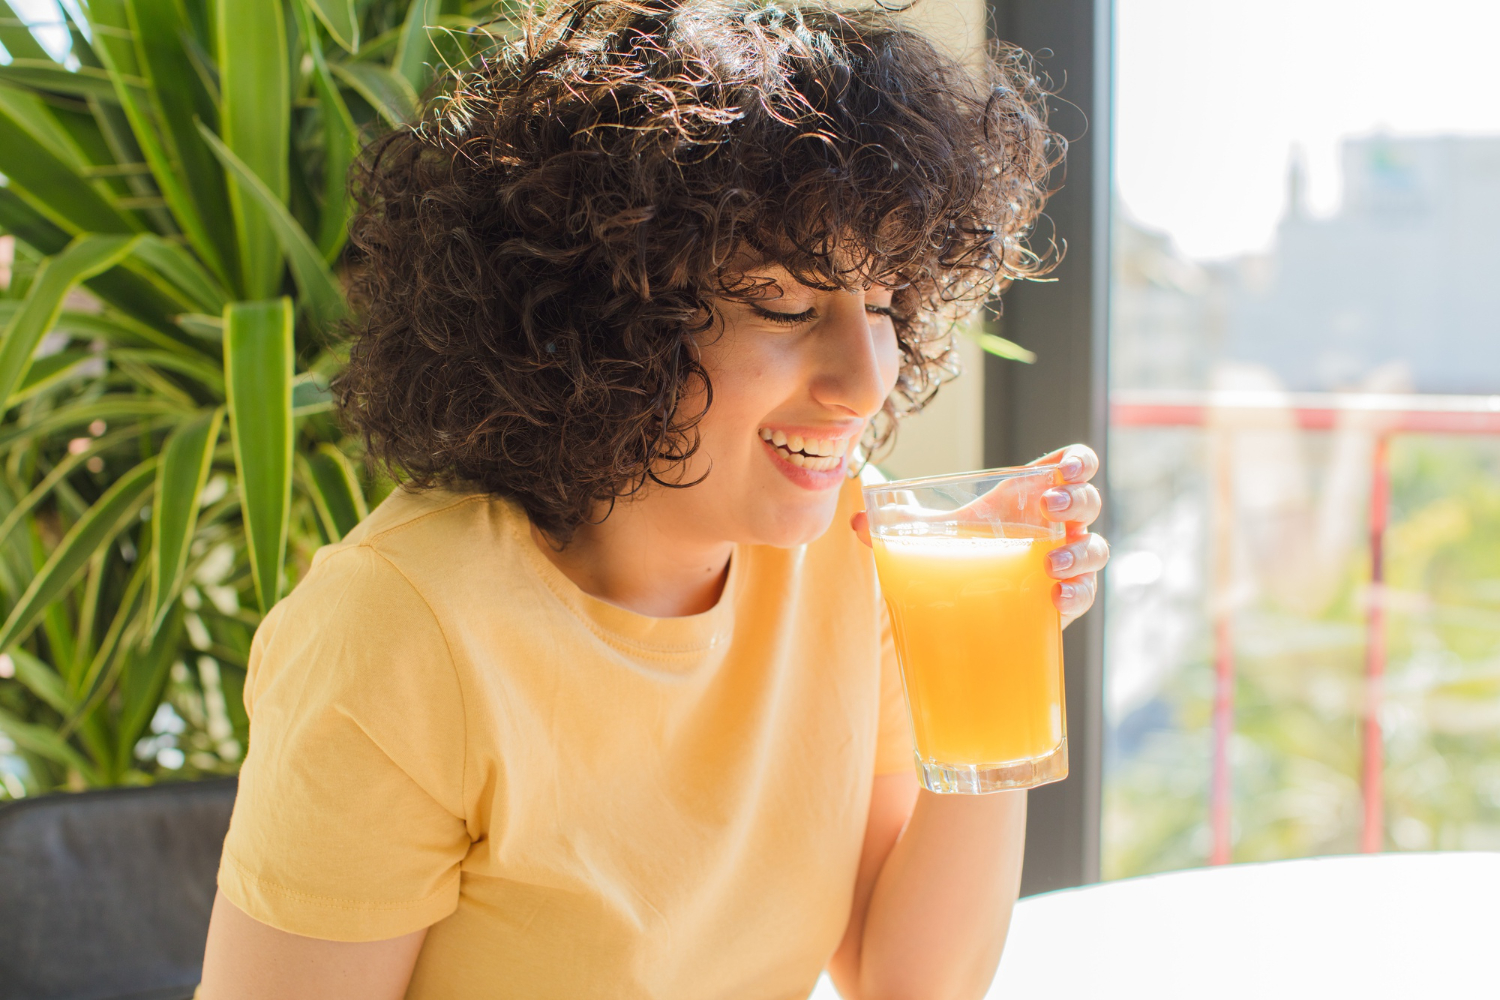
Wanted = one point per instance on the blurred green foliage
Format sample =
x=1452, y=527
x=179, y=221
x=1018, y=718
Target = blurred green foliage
x=174, y=190
x=1299, y=697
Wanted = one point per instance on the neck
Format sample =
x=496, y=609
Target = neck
x=642, y=563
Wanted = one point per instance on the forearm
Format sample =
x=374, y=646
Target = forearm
x=941, y=905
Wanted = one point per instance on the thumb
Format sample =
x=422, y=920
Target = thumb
x=860, y=522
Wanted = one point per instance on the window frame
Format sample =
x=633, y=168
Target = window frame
x=1063, y=397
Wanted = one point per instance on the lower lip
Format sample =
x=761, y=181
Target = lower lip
x=808, y=479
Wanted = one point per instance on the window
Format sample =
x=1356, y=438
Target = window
x=1303, y=639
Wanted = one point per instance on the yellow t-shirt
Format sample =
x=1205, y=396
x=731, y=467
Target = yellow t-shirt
x=582, y=802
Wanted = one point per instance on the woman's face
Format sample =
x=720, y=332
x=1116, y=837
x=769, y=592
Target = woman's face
x=797, y=373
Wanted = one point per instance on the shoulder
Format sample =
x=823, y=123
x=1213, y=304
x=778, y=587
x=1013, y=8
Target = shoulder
x=409, y=525
x=390, y=560
x=406, y=510
x=360, y=616
x=393, y=595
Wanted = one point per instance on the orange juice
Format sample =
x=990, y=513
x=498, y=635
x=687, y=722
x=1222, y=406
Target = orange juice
x=978, y=638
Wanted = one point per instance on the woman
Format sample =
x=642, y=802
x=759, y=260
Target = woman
x=599, y=704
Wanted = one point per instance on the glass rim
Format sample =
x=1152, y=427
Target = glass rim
x=948, y=478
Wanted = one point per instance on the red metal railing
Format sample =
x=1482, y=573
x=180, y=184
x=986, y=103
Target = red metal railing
x=1381, y=415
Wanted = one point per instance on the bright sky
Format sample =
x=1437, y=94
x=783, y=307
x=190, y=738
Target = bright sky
x=45, y=15
x=1214, y=94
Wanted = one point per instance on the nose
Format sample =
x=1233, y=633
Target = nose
x=858, y=359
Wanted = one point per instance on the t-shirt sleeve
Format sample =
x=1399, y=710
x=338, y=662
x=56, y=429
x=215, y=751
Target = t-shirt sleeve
x=349, y=820
x=893, y=751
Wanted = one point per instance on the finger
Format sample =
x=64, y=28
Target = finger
x=860, y=522
x=1078, y=503
x=1087, y=555
x=1073, y=597
x=1078, y=462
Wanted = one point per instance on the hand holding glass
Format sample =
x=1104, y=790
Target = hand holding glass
x=962, y=562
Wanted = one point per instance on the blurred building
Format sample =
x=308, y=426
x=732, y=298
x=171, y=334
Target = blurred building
x=1405, y=272
x=1263, y=525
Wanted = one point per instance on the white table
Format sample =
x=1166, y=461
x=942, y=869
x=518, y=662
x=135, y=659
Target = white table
x=1370, y=927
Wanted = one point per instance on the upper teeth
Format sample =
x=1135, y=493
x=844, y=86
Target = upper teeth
x=815, y=453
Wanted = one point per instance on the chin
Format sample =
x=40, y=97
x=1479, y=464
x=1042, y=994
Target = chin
x=788, y=528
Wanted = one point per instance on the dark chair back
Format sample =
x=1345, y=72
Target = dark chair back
x=106, y=895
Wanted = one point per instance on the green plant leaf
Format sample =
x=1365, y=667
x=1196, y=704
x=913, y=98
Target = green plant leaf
x=346, y=471
x=173, y=262
x=99, y=525
x=154, y=382
x=116, y=131
x=94, y=682
x=56, y=627
x=130, y=163
x=121, y=328
x=56, y=369
x=340, y=146
x=110, y=24
x=255, y=124
x=311, y=394
x=415, y=53
x=388, y=93
x=41, y=680
x=16, y=37
x=203, y=326
x=117, y=286
x=109, y=408
x=84, y=257
x=18, y=218
x=209, y=376
x=39, y=165
x=258, y=372
x=45, y=75
x=71, y=461
x=178, y=99
x=324, y=299
x=334, y=490
x=86, y=617
x=31, y=112
x=116, y=50
x=45, y=743
x=142, y=678
x=180, y=478
x=1002, y=348
x=113, y=177
x=339, y=17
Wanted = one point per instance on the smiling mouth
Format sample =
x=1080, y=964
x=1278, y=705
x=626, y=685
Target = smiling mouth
x=816, y=454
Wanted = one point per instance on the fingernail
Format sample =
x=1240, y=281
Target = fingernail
x=1057, y=500
x=1070, y=466
x=1061, y=560
x=1069, y=591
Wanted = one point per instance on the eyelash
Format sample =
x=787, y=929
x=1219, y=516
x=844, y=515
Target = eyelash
x=792, y=319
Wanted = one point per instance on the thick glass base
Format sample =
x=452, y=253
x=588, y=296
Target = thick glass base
x=977, y=779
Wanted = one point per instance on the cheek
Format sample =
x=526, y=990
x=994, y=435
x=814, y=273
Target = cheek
x=888, y=355
x=751, y=375
x=743, y=381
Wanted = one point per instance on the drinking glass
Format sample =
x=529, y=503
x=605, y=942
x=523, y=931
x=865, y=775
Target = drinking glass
x=962, y=561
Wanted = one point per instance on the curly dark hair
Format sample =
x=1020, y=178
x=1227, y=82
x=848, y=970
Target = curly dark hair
x=535, y=258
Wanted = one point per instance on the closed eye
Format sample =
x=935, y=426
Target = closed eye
x=789, y=319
